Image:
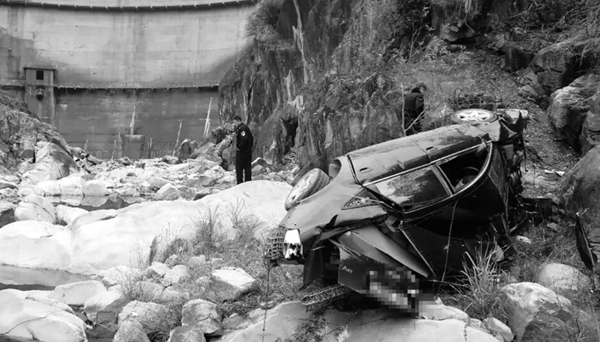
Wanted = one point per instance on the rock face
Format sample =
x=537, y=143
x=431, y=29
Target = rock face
x=558, y=65
x=579, y=190
x=569, y=107
x=21, y=131
x=22, y=316
x=538, y=313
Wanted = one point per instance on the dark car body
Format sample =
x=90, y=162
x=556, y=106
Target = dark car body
x=408, y=209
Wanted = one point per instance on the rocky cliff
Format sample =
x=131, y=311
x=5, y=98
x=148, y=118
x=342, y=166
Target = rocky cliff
x=323, y=77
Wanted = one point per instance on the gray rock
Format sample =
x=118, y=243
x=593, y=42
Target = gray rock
x=98, y=303
x=156, y=270
x=175, y=275
x=168, y=193
x=536, y=313
x=131, y=331
x=186, y=334
x=170, y=159
x=153, y=317
x=202, y=314
x=499, y=329
x=231, y=282
x=565, y=280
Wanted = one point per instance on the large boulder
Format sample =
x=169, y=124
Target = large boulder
x=579, y=191
x=557, y=65
x=99, y=302
x=35, y=208
x=536, y=313
x=569, y=107
x=35, y=244
x=77, y=293
x=22, y=316
x=52, y=162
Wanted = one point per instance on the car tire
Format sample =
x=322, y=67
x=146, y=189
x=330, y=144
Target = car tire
x=473, y=115
x=313, y=181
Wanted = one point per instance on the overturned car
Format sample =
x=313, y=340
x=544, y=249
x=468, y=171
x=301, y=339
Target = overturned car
x=393, y=214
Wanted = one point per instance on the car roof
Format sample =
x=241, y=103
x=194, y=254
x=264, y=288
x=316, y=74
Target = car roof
x=398, y=155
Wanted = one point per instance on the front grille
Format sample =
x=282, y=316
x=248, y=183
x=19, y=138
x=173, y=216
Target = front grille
x=274, y=246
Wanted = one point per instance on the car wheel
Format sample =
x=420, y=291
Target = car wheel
x=313, y=181
x=473, y=115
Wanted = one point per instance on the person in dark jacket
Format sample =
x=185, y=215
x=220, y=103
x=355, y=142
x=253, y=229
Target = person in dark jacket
x=414, y=105
x=244, y=142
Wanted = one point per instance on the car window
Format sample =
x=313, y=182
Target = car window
x=414, y=189
x=463, y=169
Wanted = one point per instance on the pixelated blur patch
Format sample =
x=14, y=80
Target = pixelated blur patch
x=397, y=287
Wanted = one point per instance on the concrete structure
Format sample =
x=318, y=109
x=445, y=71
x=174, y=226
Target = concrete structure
x=121, y=77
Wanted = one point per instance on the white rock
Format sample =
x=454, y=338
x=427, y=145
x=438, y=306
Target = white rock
x=67, y=214
x=69, y=186
x=95, y=188
x=23, y=317
x=77, y=293
x=231, y=282
x=35, y=208
x=35, y=244
x=99, y=302
x=130, y=231
x=186, y=334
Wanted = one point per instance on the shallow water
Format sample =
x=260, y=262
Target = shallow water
x=91, y=203
x=26, y=279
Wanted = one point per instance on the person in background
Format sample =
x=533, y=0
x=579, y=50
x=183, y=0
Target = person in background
x=244, y=142
x=414, y=105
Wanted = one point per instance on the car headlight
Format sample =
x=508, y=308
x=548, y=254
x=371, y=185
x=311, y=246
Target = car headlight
x=292, y=247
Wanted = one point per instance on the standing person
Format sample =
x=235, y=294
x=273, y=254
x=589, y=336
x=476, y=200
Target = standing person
x=244, y=142
x=414, y=105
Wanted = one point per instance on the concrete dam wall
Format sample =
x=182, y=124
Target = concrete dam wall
x=121, y=77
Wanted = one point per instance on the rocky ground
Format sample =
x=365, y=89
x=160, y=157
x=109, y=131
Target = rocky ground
x=181, y=259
